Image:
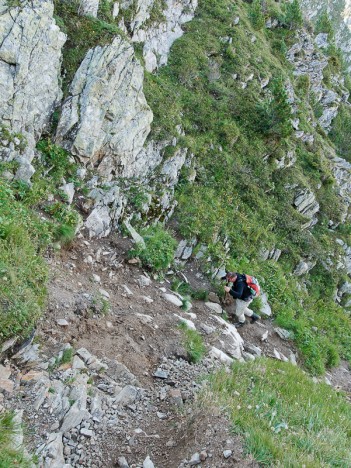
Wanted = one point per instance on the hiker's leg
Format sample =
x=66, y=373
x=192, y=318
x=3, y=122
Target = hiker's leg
x=240, y=310
x=248, y=312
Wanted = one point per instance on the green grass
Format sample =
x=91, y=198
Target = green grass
x=285, y=418
x=193, y=343
x=10, y=456
x=159, y=248
x=23, y=272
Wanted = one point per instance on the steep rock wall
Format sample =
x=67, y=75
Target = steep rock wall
x=30, y=59
x=106, y=119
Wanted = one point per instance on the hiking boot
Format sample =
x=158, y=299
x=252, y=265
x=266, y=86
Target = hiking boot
x=238, y=324
x=254, y=317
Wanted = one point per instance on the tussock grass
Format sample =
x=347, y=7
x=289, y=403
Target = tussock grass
x=286, y=419
x=193, y=343
x=10, y=456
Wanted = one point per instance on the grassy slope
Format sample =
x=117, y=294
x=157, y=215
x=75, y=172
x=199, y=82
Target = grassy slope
x=239, y=193
x=287, y=420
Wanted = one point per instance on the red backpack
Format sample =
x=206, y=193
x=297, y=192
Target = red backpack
x=253, y=285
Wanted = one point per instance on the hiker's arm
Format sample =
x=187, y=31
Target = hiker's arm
x=237, y=292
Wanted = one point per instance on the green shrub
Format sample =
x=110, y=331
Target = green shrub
x=340, y=134
x=67, y=355
x=159, y=248
x=193, y=343
x=274, y=115
x=324, y=25
x=256, y=15
x=293, y=16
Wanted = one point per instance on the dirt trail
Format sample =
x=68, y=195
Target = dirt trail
x=118, y=313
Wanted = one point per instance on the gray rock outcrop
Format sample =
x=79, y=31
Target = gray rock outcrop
x=89, y=7
x=339, y=12
x=161, y=34
x=30, y=60
x=106, y=119
x=308, y=60
x=305, y=202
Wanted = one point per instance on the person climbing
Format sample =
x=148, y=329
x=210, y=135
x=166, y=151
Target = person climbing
x=242, y=290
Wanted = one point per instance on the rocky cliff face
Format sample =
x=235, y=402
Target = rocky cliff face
x=340, y=13
x=106, y=119
x=30, y=60
x=158, y=37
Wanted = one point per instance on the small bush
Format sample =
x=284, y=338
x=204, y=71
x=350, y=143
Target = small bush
x=256, y=15
x=67, y=356
x=159, y=248
x=193, y=343
x=293, y=17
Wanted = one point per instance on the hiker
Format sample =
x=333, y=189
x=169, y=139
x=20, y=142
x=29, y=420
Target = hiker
x=242, y=290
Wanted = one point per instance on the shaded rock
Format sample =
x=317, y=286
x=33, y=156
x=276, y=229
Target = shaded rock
x=251, y=348
x=303, y=267
x=127, y=396
x=159, y=37
x=220, y=355
x=213, y=297
x=68, y=190
x=144, y=281
x=122, y=462
x=233, y=343
x=214, y=307
x=52, y=452
x=161, y=374
x=283, y=334
x=8, y=344
x=195, y=460
x=62, y=322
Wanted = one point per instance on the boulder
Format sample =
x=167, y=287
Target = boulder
x=106, y=119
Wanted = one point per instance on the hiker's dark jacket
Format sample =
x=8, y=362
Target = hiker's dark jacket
x=240, y=289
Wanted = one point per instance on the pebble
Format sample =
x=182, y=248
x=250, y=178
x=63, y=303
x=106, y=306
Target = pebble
x=122, y=462
x=62, y=322
x=195, y=459
x=161, y=374
x=227, y=453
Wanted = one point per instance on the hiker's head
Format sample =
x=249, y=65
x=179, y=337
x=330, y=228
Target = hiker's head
x=231, y=276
